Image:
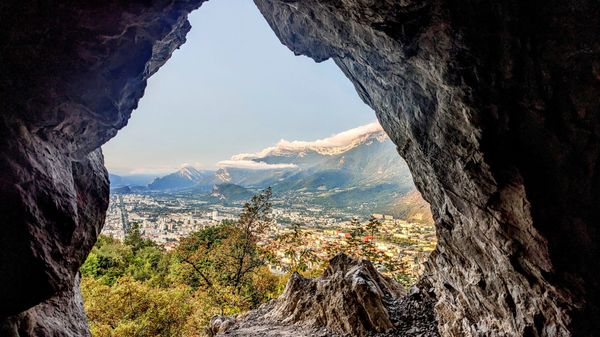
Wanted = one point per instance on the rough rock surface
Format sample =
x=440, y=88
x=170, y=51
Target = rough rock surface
x=413, y=315
x=71, y=74
x=59, y=316
x=494, y=105
x=351, y=298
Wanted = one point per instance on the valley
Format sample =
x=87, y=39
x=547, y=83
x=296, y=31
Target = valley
x=357, y=171
x=326, y=189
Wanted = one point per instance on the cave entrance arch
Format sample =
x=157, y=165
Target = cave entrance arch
x=204, y=80
x=487, y=102
x=161, y=125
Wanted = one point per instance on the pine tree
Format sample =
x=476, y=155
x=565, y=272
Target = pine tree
x=373, y=225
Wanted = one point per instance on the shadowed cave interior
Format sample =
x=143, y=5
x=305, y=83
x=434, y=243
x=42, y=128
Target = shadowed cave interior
x=494, y=106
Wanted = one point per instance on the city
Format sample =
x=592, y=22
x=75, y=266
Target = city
x=165, y=218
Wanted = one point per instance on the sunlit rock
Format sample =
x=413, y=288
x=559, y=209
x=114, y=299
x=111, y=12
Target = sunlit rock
x=350, y=298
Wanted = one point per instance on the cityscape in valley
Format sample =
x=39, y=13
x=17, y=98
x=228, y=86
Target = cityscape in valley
x=323, y=188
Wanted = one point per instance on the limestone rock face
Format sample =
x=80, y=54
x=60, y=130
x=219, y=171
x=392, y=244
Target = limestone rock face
x=59, y=316
x=351, y=298
x=52, y=208
x=494, y=105
x=71, y=74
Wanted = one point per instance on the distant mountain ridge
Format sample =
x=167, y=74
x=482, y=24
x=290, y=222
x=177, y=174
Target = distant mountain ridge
x=358, y=168
x=231, y=192
x=336, y=144
x=130, y=180
x=186, y=177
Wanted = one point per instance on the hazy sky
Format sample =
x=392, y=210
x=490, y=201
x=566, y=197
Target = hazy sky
x=232, y=88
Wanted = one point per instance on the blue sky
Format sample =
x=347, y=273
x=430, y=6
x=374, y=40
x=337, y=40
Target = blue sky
x=232, y=88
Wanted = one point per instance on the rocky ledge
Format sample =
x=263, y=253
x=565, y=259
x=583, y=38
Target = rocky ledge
x=351, y=298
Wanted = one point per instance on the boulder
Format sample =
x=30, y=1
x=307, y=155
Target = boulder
x=351, y=297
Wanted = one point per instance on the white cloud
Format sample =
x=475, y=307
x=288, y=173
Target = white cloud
x=334, y=144
x=254, y=165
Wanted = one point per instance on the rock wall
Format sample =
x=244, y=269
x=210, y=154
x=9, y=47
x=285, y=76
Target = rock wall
x=71, y=74
x=494, y=105
x=60, y=316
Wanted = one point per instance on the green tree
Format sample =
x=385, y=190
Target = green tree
x=361, y=244
x=130, y=308
x=146, y=264
x=373, y=226
x=301, y=257
x=134, y=239
x=245, y=254
x=107, y=261
x=199, y=251
x=226, y=260
x=355, y=240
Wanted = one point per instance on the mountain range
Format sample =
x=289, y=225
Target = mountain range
x=358, y=169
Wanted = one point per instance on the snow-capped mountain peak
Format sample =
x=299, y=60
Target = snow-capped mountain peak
x=334, y=145
x=223, y=175
x=189, y=172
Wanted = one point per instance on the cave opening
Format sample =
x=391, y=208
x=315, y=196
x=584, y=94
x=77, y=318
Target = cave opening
x=201, y=143
x=494, y=106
